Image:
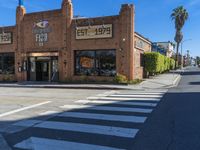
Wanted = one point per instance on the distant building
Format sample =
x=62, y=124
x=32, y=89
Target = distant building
x=165, y=48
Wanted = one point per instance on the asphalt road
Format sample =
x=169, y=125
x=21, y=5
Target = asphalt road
x=48, y=119
x=175, y=124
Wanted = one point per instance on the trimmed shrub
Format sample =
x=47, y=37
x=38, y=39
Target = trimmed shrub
x=152, y=62
x=119, y=78
x=172, y=64
x=156, y=63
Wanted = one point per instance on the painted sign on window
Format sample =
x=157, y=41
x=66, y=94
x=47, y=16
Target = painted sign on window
x=94, y=32
x=6, y=38
x=86, y=62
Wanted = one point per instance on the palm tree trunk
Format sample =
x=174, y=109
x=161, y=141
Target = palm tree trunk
x=177, y=50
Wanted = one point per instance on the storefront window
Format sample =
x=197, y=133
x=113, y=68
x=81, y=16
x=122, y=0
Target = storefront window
x=55, y=66
x=32, y=64
x=7, y=63
x=1, y=64
x=95, y=63
x=85, y=63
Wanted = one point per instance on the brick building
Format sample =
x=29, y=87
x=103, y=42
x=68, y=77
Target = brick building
x=56, y=46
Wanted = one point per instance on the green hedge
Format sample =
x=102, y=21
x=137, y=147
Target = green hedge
x=156, y=63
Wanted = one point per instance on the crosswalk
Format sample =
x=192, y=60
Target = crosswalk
x=103, y=122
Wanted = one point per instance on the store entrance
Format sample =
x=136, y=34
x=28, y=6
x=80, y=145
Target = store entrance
x=43, y=69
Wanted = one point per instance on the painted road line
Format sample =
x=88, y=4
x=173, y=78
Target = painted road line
x=24, y=108
x=50, y=144
x=121, y=118
x=27, y=123
x=87, y=128
x=49, y=113
x=117, y=102
x=108, y=93
x=107, y=108
x=123, y=98
x=136, y=95
x=142, y=93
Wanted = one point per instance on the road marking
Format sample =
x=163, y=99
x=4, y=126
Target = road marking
x=87, y=128
x=49, y=113
x=136, y=95
x=50, y=144
x=27, y=123
x=106, y=108
x=24, y=108
x=116, y=102
x=108, y=93
x=123, y=98
x=142, y=93
x=122, y=118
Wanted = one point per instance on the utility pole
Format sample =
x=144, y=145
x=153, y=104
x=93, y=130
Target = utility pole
x=182, y=51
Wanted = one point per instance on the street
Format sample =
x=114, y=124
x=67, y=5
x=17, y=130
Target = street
x=74, y=119
x=174, y=125
x=57, y=119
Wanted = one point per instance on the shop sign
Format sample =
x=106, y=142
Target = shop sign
x=94, y=32
x=6, y=38
x=41, y=30
x=140, y=44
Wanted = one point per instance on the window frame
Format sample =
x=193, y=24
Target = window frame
x=96, y=67
x=2, y=63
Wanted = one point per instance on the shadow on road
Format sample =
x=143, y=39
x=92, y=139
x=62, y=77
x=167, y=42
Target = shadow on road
x=194, y=83
x=190, y=73
x=22, y=133
x=173, y=125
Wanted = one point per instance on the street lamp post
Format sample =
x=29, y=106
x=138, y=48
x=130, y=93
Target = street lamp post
x=182, y=51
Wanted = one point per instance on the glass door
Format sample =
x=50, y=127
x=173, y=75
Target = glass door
x=54, y=68
x=42, y=71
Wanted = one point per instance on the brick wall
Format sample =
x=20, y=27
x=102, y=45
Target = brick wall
x=61, y=39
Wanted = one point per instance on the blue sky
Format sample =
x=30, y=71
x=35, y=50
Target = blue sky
x=152, y=16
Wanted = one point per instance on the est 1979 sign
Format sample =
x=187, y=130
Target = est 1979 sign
x=94, y=32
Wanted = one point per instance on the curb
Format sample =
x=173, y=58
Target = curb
x=4, y=144
x=177, y=80
x=65, y=87
x=95, y=87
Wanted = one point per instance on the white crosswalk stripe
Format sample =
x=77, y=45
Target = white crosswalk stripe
x=141, y=93
x=102, y=117
x=107, y=108
x=117, y=102
x=136, y=95
x=121, y=118
x=35, y=143
x=124, y=98
x=97, y=129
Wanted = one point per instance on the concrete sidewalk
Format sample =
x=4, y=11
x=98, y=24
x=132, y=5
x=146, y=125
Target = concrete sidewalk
x=161, y=81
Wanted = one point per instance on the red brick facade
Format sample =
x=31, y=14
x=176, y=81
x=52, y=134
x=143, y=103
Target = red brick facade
x=62, y=42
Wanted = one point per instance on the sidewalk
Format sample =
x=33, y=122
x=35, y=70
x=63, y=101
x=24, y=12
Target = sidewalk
x=160, y=81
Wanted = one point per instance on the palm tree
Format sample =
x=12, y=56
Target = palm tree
x=180, y=16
